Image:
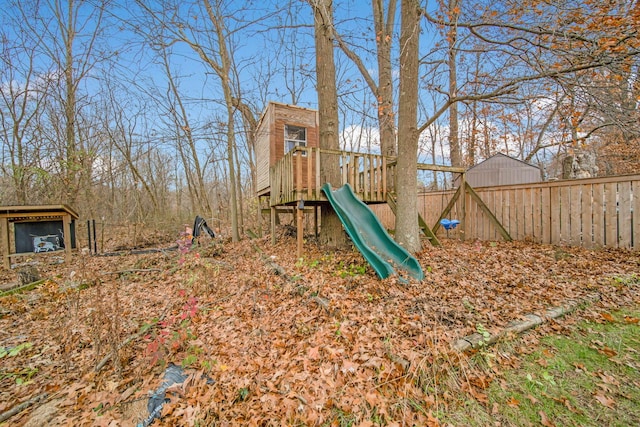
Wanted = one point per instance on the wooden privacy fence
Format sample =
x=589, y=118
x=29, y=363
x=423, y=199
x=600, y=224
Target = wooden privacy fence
x=593, y=212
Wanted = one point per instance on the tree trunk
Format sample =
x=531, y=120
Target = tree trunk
x=70, y=111
x=226, y=87
x=454, y=142
x=238, y=184
x=384, y=39
x=407, y=230
x=331, y=233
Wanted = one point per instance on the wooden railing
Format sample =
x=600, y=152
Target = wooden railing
x=298, y=175
x=593, y=212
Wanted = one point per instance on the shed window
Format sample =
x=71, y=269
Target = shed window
x=294, y=136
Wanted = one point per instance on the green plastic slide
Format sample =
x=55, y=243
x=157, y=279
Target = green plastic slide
x=369, y=236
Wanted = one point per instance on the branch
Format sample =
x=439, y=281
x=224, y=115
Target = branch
x=21, y=407
x=133, y=270
x=356, y=60
x=538, y=31
x=512, y=85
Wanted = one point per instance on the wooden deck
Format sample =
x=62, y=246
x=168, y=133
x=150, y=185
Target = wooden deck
x=295, y=182
x=297, y=176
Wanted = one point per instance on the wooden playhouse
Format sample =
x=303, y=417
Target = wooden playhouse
x=289, y=168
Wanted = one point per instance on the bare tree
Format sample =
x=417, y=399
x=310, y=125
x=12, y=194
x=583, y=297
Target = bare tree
x=331, y=233
x=122, y=127
x=407, y=231
x=212, y=40
x=23, y=96
x=383, y=90
x=290, y=58
x=563, y=45
x=70, y=39
x=452, y=38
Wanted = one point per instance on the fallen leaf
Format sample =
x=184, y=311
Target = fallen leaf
x=495, y=410
x=570, y=407
x=608, y=379
x=544, y=420
x=314, y=353
x=609, y=352
x=432, y=421
x=608, y=317
x=605, y=388
x=579, y=367
x=513, y=402
x=542, y=362
x=632, y=320
x=605, y=401
x=532, y=399
x=481, y=381
x=480, y=397
x=127, y=393
x=349, y=367
x=372, y=399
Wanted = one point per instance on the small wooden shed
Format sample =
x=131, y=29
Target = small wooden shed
x=501, y=169
x=36, y=229
x=281, y=128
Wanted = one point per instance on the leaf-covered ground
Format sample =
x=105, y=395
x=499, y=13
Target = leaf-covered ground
x=317, y=341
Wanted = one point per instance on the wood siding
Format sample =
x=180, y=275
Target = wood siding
x=592, y=212
x=270, y=138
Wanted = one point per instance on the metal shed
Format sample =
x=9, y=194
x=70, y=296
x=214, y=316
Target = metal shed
x=501, y=169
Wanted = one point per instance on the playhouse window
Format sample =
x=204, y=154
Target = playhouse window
x=294, y=136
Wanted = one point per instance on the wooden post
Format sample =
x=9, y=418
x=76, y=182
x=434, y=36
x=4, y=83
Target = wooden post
x=383, y=168
x=463, y=206
x=4, y=239
x=372, y=177
x=345, y=168
x=273, y=225
x=298, y=159
x=378, y=179
x=309, y=173
x=356, y=174
x=636, y=214
x=315, y=220
x=260, y=218
x=300, y=227
x=318, y=183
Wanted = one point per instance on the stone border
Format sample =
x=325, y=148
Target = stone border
x=530, y=321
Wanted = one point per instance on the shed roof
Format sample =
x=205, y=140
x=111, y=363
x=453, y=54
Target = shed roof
x=500, y=156
x=23, y=211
